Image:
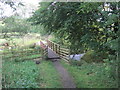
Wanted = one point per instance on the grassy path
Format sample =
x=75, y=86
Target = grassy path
x=48, y=77
x=66, y=79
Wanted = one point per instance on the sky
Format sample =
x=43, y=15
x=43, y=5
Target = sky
x=35, y=2
x=30, y=6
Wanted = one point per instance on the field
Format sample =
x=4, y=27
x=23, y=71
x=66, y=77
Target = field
x=19, y=68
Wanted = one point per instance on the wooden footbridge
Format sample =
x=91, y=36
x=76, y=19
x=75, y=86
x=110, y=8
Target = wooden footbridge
x=54, y=51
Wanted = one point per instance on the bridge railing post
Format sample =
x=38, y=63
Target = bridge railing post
x=59, y=50
x=53, y=46
x=56, y=48
x=69, y=53
x=50, y=44
x=63, y=53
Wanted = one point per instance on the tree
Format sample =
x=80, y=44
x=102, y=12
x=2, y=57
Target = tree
x=84, y=26
x=87, y=25
x=10, y=4
x=14, y=25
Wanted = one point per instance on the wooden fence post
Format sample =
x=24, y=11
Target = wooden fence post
x=69, y=54
x=62, y=52
x=56, y=48
x=53, y=46
x=59, y=50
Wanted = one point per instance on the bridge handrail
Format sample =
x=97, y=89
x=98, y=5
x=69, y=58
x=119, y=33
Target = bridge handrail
x=44, y=47
x=62, y=52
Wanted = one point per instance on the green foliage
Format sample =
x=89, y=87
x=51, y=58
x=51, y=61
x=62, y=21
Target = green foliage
x=92, y=75
x=76, y=63
x=20, y=75
x=92, y=56
x=85, y=25
x=32, y=45
x=21, y=72
x=29, y=75
x=13, y=24
x=38, y=29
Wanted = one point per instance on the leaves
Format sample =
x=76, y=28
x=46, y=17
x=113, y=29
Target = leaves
x=81, y=24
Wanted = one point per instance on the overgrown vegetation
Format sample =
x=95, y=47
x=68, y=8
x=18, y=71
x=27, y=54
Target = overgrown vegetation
x=20, y=75
x=92, y=75
x=90, y=28
x=23, y=72
x=84, y=27
x=87, y=25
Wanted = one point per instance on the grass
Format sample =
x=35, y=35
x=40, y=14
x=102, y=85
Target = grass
x=49, y=76
x=27, y=74
x=19, y=75
x=90, y=75
x=18, y=54
x=23, y=72
x=26, y=41
x=21, y=41
x=21, y=56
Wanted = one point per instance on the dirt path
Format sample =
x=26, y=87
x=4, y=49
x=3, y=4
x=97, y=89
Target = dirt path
x=66, y=79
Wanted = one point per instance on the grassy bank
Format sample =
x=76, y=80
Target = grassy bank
x=91, y=75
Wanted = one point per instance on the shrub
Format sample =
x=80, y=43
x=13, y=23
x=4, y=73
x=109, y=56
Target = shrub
x=92, y=56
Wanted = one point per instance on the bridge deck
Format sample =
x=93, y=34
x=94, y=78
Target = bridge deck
x=52, y=54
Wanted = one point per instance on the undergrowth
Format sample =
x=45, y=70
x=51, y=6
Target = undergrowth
x=23, y=72
x=91, y=75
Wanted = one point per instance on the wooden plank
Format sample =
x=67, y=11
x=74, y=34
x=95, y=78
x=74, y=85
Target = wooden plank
x=53, y=42
x=65, y=57
x=64, y=49
x=64, y=52
x=66, y=60
x=14, y=56
x=42, y=45
x=19, y=52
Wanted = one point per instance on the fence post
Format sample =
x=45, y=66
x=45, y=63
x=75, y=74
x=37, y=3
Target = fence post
x=53, y=46
x=56, y=48
x=69, y=54
x=50, y=45
x=59, y=50
x=47, y=42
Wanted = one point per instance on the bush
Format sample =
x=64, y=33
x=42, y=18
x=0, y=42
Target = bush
x=92, y=56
